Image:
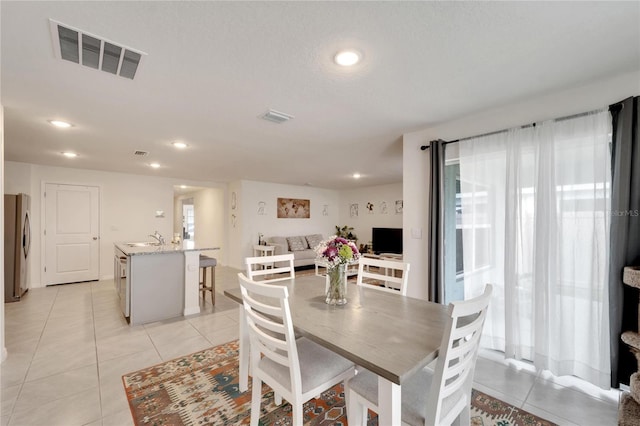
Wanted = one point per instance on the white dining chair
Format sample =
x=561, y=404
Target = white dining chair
x=385, y=276
x=296, y=370
x=433, y=397
x=268, y=269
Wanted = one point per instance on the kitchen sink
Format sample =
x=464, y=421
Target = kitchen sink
x=143, y=244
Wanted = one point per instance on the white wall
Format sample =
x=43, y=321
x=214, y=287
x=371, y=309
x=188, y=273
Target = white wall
x=209, y=220
x=177, y=213
x=210, y=229
x=415, y=162
x=236, y=241
x=249, y=223
x=366, y=218
x=127, y=206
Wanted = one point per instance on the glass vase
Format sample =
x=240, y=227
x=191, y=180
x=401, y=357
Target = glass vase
x=337, y=287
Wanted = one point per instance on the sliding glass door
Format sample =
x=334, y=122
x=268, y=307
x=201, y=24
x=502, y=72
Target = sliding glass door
x=454, y=261
x=527, y=211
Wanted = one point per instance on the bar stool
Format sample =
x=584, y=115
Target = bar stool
x=208, y=262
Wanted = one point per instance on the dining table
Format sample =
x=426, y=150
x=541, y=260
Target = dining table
x=391, y=335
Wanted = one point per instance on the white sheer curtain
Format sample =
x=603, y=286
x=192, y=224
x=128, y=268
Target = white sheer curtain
x=535, y=205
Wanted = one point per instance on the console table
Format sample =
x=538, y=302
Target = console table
x=383, y=256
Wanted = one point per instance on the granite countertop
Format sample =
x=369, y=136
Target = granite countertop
x=162, y=249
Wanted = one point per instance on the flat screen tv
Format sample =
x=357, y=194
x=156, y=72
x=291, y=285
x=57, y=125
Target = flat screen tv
x=387, y=240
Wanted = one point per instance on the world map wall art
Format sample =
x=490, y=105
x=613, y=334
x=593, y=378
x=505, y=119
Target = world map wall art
x=293, y=208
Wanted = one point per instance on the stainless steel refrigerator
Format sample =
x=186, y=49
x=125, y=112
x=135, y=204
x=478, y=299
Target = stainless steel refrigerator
x=17, y=242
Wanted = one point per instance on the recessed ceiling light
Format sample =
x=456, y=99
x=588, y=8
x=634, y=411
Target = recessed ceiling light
x=347, y=58
x=61, y=124
x=70, y=154
x=356, y=175
x=180, y=145
x=155, y=165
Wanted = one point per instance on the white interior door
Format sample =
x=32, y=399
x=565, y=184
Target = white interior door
x=71, y=234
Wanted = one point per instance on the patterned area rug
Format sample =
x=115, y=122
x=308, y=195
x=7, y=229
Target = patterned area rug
x=202, y=389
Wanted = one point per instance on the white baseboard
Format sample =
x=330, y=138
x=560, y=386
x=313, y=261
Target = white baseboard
x=192, y=311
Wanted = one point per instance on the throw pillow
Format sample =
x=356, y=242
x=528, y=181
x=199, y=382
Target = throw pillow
x=313, y=240
x=296, y=243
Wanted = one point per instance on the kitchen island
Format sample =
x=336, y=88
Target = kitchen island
x=157, y=281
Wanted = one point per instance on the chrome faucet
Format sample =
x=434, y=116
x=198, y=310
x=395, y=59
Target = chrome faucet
x=158, y=237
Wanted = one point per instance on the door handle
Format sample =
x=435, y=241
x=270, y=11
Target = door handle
x=95, y=238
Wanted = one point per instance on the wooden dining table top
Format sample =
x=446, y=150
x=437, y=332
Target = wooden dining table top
x=391, y=335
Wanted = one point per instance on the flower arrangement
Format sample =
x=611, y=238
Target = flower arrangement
x=337, y=251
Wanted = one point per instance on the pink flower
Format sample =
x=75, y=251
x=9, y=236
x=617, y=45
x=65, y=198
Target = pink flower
x=331, y=252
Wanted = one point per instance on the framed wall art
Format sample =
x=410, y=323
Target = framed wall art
x=383, y=207
x=293, y=208
x=370, y=207
x=399, y=206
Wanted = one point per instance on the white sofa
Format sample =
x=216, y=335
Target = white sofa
x=302, y=247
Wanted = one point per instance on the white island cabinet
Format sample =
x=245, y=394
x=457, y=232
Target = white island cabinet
x=157, y=282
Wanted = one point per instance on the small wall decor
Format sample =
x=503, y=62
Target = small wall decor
x=293, y=208
x=233, y=200
x=383, y=208
x=370, y=208
x=353, y=210
x=325, y=210
x=399, y=207
x=159, y=213
x=262, y=208
x=233, y=220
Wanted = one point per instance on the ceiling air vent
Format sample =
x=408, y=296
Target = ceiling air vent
x=141, y=153
x=276, y=116
x=72, y=44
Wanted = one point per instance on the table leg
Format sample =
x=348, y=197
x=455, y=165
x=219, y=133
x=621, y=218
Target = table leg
x=243, y=381
x=389, y=402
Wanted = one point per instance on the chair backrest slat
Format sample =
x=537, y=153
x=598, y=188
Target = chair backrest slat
x=269, y=352
x=467, y=329
x=385, y=275
x=387, y=278
x=263, y=307
x=453, y=375
x=455, y=385
x=263, y=266
x=266, y=308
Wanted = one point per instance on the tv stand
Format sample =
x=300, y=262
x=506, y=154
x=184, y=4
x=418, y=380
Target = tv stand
x=390, y=256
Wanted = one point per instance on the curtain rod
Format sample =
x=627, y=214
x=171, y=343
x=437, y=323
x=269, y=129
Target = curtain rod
x=568, y=117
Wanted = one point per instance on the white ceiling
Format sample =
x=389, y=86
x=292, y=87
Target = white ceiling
x=214, y=67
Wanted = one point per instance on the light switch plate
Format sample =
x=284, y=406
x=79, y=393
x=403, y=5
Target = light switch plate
x=416, y=233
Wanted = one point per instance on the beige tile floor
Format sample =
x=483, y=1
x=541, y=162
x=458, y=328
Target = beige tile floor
x=69, y=347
